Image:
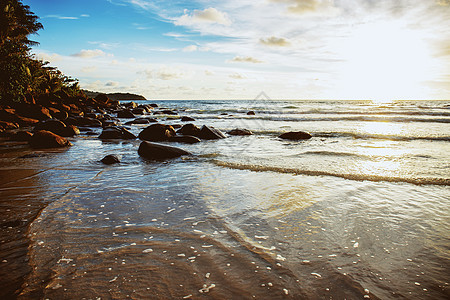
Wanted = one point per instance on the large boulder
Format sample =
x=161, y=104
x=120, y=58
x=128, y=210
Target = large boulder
x=33, y=111
x=115, y=132
x=157, y=151
x=57, y=127
x=210, y=133
x=189, y=129
x=296, y=135
x=157, y=133
x=141, y=121
x=125, y=114
x=47, y=139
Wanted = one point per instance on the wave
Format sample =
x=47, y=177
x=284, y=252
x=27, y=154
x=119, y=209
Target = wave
x=379, y=136
x=356, y=177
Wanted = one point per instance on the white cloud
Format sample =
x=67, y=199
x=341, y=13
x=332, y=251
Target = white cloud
x=112, y=83
x=190, y=48
x=52, y=58
x=314, y=7
x=208, y=15
x=165, y=73
x=89, y=53
x=275, y=41
x=89, y=69
x=237, y=76
x=246, y=59
x=61, y=17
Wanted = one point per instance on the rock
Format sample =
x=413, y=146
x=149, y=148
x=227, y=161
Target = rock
x=187, y=139
x=116, y=133
x=168, y=112
x=8, y=125
x=110, y=159
x=47, y=139
x=141, y=121
x=33, y=111
x=84, y=121
x=251, y=113
x=154, y=105
x=210, y=133
x=125, y=114
x=21, y=136
x=239, y=131
x=139, y=111
x=130, y=104
x=187, y=119
x=157, y=151
x=189, y=129
x=157, y=133
x=296, y=135
x=57, y=127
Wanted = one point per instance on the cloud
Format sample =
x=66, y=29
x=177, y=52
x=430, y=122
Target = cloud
x=208, y=73
x=274, y=41
x=316, y=7
x=61, y=17
x=237, y=76
x=190, y=48
x=89, y=53
x=164, y=73
x=89, y=69
x=49, y=57
x=208, y=15
x=246, y=59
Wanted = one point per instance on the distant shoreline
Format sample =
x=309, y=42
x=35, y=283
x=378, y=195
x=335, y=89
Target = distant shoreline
x=115, y=96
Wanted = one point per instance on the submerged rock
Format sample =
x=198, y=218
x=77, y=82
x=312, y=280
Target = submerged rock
x=251, y=113
x=110, y=159
x=187, y=119
x=157, y=151
x=239, y=131
x=296, y=135
x=47, y=139
x=125, y=114
x=189, y=129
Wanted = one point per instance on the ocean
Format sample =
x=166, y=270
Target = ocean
x=361, y=210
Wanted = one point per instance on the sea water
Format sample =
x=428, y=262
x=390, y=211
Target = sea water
x=361, y=210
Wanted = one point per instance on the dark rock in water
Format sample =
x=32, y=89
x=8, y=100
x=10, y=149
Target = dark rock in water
x=141, y=121
x=47, y=139
x=251, y=113
x=110, y=159
x=187, y=139
x=70, y=130
x=187, y=119
x=157, y=151
x=84, y=121
x=116, y=133
x=189, y=129
x=239, y=131
x=21, y=136
x=139, y=111
x=130, y=105
x=157, y=133
x=296, y=135
x=169, y=112
x=125, y=114
x=176, y=126
x=153, y=105
x=210, y=133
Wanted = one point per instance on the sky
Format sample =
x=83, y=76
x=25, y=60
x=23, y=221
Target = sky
x=381, y=50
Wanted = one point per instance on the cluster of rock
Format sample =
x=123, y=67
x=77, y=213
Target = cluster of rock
x=57, y=117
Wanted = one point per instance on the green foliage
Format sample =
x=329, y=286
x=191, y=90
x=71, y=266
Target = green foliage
x=21, y=73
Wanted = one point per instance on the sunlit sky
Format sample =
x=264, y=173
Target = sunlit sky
x=235, y=49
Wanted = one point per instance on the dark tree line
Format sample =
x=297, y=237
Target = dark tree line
x=21, y=74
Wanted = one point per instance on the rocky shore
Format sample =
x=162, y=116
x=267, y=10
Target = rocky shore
x=47, y=122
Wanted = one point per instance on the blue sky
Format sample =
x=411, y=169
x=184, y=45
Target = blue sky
x=290, y=49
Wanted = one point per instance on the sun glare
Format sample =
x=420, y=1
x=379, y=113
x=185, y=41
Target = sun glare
x=385, y=61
